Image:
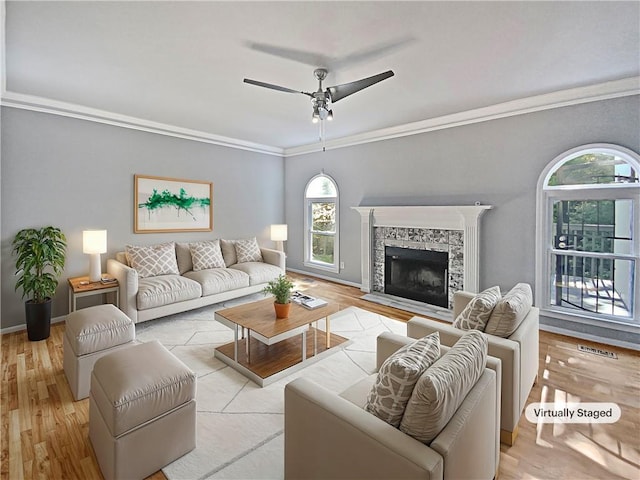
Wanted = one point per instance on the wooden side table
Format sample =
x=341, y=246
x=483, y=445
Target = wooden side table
x=82, y=287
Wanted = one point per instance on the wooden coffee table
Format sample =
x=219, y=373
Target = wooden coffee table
x=266, y=349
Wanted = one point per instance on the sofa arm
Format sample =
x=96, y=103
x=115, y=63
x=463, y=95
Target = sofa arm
x=326, y=436
x=274, y=257
x=128, y=279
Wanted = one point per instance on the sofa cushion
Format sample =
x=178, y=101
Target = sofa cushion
x=359, y=391
x=228, y=248
x=165, y=289
x=397, y=377
x=248, y=250
x=183, y=257
x=217, y=280
x=152, y=260
x=476, y=314
x=510, y=311
x=206, y=255
x=258, y=272
x=443, y=387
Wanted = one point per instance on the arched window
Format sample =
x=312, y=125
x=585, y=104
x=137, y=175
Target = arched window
x=588, y=236
x=321, y=223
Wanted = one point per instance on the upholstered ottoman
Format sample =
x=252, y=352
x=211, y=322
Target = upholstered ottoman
x=142, y=411
x=89, y=334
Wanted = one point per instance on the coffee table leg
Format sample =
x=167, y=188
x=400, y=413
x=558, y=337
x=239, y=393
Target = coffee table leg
x=248, y=340
x=315, y=339
x=304, y=345
x=235, y=343
x=328, y=332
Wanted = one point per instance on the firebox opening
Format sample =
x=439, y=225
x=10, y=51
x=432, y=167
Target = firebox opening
x=419, y=275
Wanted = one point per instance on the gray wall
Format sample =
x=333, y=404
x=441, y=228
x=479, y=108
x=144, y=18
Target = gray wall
x=78, y=175
x=496, y=163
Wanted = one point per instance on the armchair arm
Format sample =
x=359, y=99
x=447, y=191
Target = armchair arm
x=460, y=300
x=274, y=257
x=387, y=344
x=128, y=280
x=526, y=335
x=327, y=436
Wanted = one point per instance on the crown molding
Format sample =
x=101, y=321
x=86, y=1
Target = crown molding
x=46, y=105
x=563, y=98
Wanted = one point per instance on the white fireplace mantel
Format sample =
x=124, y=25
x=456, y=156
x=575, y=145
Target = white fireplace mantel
x=463, y=217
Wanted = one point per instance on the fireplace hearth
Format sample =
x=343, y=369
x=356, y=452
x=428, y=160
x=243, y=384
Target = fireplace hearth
x=420, y=275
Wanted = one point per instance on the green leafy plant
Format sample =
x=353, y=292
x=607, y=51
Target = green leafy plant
x=280, y=288
x=40, y=261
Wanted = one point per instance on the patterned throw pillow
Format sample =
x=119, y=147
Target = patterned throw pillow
x=442, y=388
x=510, y=311
x=476, y=314
x=248, y=250
x=397, y=377
x=153, y=260
x=206, y=255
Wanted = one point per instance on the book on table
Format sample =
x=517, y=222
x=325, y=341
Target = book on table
x=307, y=301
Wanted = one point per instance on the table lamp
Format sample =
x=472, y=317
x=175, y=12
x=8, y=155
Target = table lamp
x=279, y=235
x=94, y=242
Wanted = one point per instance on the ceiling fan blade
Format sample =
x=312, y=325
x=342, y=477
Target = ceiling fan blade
x=274, y=87
x=340, y=91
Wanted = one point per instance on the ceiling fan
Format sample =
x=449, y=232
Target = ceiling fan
x=322, y=100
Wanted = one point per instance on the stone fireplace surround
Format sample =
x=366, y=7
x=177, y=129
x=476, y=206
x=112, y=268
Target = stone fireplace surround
x=455, y=229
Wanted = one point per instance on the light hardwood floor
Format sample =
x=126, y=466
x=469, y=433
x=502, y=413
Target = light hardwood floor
x=44, y=432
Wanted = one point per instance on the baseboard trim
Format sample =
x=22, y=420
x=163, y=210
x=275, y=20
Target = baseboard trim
x=593, y=338
x=325, y=277
x=23, y=326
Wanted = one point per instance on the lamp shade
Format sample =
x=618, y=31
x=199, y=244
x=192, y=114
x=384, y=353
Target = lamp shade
x=94, y=241
x=278, y=233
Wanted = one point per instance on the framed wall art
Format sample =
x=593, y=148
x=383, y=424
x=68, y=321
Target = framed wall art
x=164, y=204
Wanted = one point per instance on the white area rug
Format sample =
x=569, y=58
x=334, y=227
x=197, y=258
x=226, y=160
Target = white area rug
x=240, y=425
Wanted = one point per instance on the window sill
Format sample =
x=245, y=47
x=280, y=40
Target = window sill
x=629, y=325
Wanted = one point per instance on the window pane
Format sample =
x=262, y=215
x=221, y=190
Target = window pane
x=323, y=216
x=597, y=285
x=321, y=187
x=603, y=226
x=322, y=248
x=593, y=168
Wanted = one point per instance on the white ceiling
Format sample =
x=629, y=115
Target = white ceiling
x=182, y=63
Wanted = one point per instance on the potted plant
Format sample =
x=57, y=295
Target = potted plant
x=40, y=261
x=280, y=288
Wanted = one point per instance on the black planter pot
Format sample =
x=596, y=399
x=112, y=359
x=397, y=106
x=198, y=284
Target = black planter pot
x=38, y=319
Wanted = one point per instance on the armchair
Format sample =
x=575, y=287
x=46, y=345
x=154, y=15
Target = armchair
x=329, y=435
x=518, y=353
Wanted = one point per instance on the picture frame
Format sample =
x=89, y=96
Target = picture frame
x=163, y=204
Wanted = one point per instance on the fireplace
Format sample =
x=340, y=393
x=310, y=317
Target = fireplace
x=420, y=275
x=448, y=230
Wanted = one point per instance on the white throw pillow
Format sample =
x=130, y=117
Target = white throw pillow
x=153, y=260
x=443, y=387
x=476, y=314
x=248, y=250
x=510, y=311
x=398, y=376
x=206, y=255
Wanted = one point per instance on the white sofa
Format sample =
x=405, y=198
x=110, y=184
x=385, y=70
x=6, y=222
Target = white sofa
x=143, y=299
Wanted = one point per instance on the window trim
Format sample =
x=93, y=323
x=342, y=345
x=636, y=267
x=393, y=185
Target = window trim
x=546, y=195
x=308, y=201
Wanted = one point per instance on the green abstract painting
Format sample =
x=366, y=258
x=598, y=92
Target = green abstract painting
x=172, y=205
